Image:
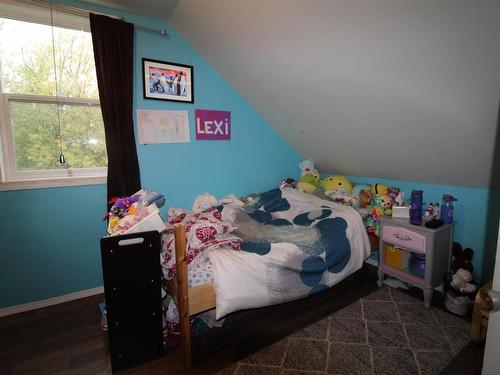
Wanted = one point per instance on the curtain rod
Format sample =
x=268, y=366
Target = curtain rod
x=80, y=12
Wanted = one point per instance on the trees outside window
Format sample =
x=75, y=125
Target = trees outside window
x=42, y=116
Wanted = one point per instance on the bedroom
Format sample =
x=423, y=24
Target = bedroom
x=374, y=99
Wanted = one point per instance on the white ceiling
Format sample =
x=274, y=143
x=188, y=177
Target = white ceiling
x=159, y=9
x=398, y=89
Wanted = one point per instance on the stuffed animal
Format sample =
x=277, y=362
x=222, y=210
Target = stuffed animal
x=461, y=281
x=383, y=205
x=307, y=167
x=360, y=194
x=308, y=183
x=379, y=189
x=463, y=258
x=337, y=183
x=338, y=188
x=364, y=198
x=431, y=212
x=204, y=202
x=309, y=177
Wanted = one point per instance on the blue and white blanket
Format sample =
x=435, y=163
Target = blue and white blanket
x=294, y=245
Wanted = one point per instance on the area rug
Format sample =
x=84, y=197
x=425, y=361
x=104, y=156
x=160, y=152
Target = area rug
x=387, y=332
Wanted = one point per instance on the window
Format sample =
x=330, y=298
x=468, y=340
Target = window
x=43, y=116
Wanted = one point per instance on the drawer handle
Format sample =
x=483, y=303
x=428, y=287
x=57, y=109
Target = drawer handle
x=402, y=237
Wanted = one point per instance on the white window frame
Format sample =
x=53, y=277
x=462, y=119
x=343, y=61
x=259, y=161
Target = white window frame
x=10, y=177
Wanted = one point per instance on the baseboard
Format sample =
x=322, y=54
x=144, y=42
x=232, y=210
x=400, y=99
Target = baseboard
x=50, y=301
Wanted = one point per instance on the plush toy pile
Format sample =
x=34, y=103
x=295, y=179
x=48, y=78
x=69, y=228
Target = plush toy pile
x=460, y=295
x=126, y=212
x=371, y=201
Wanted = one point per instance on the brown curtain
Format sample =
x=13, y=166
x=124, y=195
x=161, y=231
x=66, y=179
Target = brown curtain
x=113, y=52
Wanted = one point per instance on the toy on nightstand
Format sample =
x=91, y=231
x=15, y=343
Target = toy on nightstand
x=431, y=212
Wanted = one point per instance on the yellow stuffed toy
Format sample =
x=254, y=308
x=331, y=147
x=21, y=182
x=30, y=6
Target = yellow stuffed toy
x=338, y=188
x=379, y=189
x=308, y=183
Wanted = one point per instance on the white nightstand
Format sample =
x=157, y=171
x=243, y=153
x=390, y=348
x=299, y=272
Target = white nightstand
x=435, y=244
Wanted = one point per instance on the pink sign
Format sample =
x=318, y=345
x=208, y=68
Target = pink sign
x=212, y=125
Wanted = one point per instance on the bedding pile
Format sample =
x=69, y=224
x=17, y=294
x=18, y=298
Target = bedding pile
x=293, y=245
x=205, y=231
x=289, y=245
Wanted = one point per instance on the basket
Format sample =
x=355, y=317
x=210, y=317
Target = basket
x=395, y=257
x=151, y=222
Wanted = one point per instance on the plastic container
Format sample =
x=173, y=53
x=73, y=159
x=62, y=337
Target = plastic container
x=447, y=208
x=416, y=207
x=151, y=222
x=417, y=264
x=395, y=257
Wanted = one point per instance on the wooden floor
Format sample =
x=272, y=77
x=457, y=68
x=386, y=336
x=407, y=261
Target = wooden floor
x=61, y=339
x=67, y=338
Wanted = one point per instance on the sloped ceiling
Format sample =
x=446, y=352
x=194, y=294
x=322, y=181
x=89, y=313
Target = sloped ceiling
x=159, y=9
x=402, y=89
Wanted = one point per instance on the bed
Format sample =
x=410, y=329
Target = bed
x=283, y=245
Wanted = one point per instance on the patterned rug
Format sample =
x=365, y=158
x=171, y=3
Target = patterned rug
x=387, y=332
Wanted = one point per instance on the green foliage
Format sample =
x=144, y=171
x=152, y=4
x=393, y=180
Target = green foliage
x=35, y=126
x=36, y=136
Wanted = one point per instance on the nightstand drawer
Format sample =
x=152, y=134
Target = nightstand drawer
x=405, y=238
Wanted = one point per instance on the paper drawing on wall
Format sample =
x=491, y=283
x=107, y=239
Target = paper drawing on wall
x=162, y=126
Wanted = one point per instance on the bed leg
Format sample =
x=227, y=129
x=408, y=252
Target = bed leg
x=183, y=296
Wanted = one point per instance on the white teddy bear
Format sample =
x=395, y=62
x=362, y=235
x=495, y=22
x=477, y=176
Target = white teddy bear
x=461, y=281
x=204, y=202
x=307, y=167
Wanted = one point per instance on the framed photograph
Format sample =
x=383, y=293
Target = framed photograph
x=167, y=81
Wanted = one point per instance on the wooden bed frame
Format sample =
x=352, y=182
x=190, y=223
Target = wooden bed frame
x=192, y=301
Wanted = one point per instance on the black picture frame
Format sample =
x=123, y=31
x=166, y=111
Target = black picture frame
x=163, y=80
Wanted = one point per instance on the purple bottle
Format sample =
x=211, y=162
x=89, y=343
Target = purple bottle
x=447, y=208
x=416, y=207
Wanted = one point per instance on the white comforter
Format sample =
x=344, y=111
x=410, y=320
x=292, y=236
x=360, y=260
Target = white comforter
x=294, y=245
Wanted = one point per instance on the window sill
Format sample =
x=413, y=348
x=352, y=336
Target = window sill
x=51, y=183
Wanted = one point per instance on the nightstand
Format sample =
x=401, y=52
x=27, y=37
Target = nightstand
x=434, y=244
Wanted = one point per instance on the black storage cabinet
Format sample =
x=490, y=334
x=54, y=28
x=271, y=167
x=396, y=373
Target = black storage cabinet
x=132, y=288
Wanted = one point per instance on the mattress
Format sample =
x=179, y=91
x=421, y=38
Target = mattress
x=200, y=273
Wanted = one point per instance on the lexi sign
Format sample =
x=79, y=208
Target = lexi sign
x=212, y=125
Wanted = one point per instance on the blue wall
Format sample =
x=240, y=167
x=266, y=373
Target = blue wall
x=476, y=214
x=50, y=237
x=254, y=159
